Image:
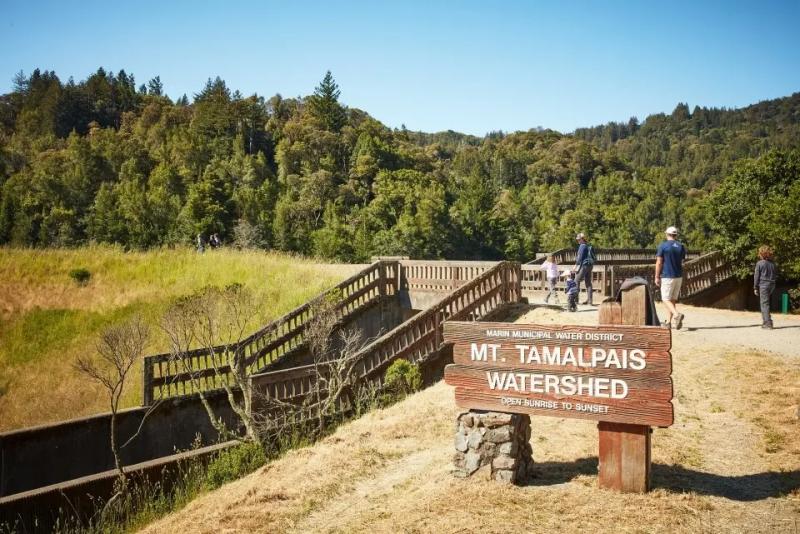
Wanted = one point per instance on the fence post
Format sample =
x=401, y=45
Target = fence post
x=147, y=381
x=625, y=450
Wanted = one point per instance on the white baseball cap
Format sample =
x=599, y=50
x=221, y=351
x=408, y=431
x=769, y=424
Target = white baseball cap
x=580, y=236
x=671, y=231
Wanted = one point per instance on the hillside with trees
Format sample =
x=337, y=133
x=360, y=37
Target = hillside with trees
x=104, y=160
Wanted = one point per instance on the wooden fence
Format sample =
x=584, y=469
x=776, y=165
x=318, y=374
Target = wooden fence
x=565, y=257
x=165, y=376
x=699, y=274
x=440, y=276
x=534, y=278
x=414, y=340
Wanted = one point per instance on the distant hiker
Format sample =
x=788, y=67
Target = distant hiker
x=584, y=261
x=551, y=272
x=669, y=275
x=764, y=279
x=201, y=245
x=572, y=293
x=215, y=241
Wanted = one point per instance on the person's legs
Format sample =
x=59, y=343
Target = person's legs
x=764, y=293
x=666, y=298
x=585, y=275
x=670, y=292
x=550, y=289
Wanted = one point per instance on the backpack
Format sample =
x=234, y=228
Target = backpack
x=591, y=257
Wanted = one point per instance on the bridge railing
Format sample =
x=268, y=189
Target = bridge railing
x=204, y=369
x=413, y=340
x=441, y=276
x=699, y=273
x=609, y=256
x=534, y=278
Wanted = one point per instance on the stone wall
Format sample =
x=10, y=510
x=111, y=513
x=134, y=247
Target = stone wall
x=498, y=442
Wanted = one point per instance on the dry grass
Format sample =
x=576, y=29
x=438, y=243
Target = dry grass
x=47, y=320
x=731, y=463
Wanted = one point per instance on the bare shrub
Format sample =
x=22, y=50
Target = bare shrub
x=215, y=320
x=118, y=349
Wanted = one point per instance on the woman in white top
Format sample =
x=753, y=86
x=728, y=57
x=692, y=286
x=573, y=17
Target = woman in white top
x=551, y=271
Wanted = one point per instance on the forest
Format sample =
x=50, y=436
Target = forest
x=104, y=161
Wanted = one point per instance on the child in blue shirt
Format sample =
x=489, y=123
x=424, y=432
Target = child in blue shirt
x=572, y=293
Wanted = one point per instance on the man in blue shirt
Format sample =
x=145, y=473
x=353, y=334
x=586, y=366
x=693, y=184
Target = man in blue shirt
x=584, y=262
x=669, y=275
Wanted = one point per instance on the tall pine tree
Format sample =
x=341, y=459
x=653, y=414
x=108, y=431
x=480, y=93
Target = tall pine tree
x=324, y=105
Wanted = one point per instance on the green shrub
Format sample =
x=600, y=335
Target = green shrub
x=234, y=463
x=403, y=377
x=80, y=275
x=794, y=299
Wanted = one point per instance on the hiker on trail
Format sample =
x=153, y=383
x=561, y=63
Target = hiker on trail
x=200, y=242
x=669, y=275
x=584, y=261
x=572, y=293
x=551, y=272
x=764, y=279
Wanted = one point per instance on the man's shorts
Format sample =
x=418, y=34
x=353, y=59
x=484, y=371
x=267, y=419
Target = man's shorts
x=671, y=288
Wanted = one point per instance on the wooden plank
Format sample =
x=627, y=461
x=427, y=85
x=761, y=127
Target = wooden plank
x=624, y=450
x=610, y=312
x=624, y=457
x=479, y=400
x=645, y=337
x=635, y=306
x=658, y=364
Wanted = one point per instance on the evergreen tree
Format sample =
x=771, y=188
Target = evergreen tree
x=155, y=87
x=324, y=105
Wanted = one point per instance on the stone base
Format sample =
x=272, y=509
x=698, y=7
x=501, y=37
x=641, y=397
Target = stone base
x=495, y=439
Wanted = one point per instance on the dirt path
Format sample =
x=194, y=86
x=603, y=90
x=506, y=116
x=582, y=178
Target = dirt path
x=730, y=463
x=704, y=326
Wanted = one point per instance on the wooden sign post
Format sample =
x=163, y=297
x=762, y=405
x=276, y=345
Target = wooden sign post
x=618, y=374
x=624, y=450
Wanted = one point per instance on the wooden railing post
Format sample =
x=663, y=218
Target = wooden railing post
x=625, y=450
x=147, y=382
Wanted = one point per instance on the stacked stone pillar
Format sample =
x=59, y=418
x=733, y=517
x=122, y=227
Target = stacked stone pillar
x=498, y=441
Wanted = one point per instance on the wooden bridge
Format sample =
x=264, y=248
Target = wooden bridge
x=429, y=292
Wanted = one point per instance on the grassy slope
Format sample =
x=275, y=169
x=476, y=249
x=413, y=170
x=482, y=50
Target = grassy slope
x=46, y=320
x=731, y=463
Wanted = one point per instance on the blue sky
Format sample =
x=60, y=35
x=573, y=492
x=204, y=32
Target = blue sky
x=471, y=66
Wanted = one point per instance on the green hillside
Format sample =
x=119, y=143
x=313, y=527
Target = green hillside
x=101, y=160
x=47, y=319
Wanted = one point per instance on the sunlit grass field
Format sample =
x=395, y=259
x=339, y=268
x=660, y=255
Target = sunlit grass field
x=47, y=319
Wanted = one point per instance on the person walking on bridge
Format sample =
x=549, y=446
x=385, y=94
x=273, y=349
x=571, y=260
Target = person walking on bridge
x=764, y=279
x=669, y=275
x=584, y=261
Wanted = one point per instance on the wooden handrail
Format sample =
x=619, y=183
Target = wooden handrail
x=164, y=378
x=699, y=273
x=414, y=339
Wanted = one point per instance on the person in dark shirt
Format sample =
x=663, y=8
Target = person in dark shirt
x=572, y=293
x=669, y=275
x=583, y=266
x=764, y=279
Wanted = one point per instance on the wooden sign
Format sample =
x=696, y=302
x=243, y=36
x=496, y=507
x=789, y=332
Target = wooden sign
x=613, y=373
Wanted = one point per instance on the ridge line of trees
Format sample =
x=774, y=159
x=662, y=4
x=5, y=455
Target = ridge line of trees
x=102, y=160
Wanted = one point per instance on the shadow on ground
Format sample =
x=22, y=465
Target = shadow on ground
x=725, y=327
x=676, y=478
